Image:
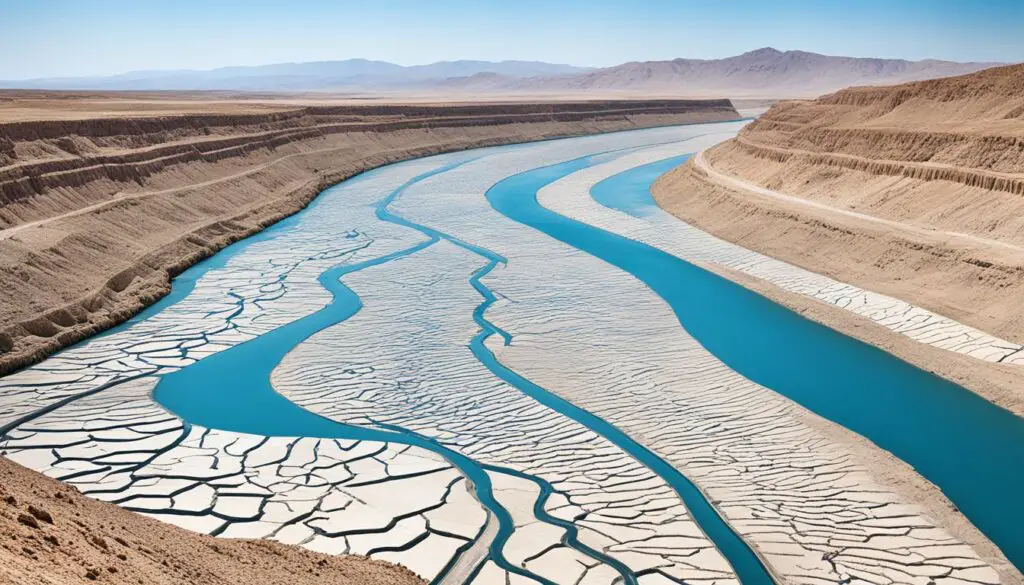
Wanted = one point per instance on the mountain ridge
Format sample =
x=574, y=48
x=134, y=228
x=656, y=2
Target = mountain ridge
x=764, y=72
x=303, y=75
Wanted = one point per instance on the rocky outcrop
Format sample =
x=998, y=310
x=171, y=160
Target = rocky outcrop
x=924, y=172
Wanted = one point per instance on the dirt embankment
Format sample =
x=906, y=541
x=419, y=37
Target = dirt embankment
x=97, y=214
x=54, y=535
x=943, y=159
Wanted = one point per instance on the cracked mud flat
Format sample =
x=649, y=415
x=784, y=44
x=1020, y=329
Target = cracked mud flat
x=424, y=447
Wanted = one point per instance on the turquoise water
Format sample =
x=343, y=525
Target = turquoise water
x=970, y=448
x=231, y=390
x=630, y=192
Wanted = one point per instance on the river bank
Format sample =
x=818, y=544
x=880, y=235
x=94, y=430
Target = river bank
x=840, y=248
x=842, y=382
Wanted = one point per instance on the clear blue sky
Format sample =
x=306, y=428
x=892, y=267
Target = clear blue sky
x=43, y=38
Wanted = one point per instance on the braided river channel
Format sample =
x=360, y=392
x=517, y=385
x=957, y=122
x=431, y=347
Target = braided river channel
x=508, y=365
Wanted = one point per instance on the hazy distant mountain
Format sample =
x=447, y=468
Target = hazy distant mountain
x=447, y=69
x=764, y=72
x=347, y=74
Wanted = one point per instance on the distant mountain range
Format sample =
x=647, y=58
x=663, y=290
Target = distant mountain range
x=762, y=73
x=350, y=74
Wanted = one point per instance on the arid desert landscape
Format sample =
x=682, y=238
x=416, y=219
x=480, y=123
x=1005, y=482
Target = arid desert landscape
x=368, y=317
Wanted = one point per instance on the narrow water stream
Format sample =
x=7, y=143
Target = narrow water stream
x=231, y=390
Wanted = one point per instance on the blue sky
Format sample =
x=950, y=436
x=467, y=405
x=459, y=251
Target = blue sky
x=44, y=38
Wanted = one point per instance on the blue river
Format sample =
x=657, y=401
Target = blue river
x=630, y=192
x=965, y=445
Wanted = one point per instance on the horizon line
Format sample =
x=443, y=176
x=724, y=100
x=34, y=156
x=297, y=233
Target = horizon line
x=468, y=59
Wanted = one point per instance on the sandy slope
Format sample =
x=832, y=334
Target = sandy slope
x=913, y=191
x=51, y=534
x=96, y=213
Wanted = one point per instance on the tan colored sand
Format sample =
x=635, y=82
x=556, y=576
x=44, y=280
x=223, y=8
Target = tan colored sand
x=97, y=213
x=938, y=164
x=51, y=534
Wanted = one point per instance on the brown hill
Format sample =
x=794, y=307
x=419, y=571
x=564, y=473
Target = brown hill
x=934, y=173
x=762, y=73
x=52, y=535
x=945, y=153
